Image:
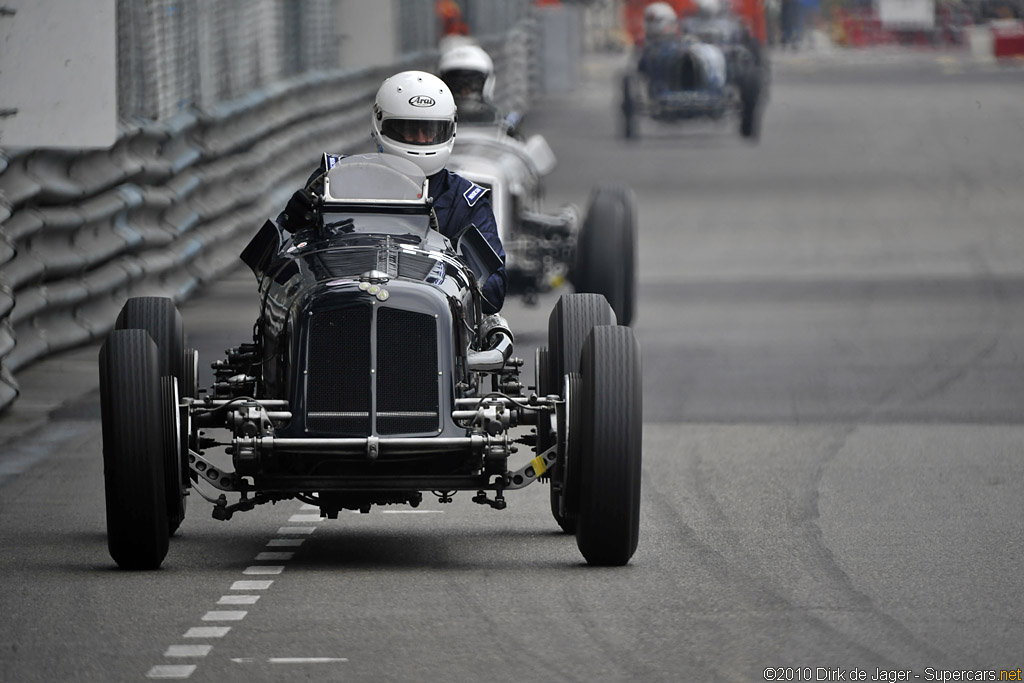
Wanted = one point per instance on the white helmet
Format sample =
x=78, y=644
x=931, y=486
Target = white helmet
x=468, y=71
x=660, y=20
x=414, y=118
x=709, y=8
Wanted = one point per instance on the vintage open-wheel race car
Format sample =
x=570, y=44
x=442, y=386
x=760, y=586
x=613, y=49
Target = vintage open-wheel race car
x=373, y=377
x=717, y=71
x=595, y=250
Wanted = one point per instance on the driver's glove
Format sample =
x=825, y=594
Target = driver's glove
x=300, y=212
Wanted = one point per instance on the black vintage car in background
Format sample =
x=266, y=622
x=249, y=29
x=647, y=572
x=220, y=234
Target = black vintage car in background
x=676, y=80
x=372, y=377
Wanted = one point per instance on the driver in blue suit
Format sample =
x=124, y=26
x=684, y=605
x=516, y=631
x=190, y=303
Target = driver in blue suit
x=662, y=46
x=414, y=117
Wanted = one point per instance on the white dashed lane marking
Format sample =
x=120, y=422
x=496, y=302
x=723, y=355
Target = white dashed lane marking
x=207, y=632
x=238, y=600
x=274, y=557
x=225, y=615
x=412, y=512
x=181, y=671
x=188, y=650
x=305, y=518
x=290, y=660
x=306, y=660
x=171, y=671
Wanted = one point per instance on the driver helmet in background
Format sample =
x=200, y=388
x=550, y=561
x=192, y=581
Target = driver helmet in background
x=660, y=21
x=414, y=118
x=709, y=8
x=469, y=71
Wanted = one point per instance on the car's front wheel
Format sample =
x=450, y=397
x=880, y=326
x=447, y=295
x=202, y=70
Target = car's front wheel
x=565, y=475
x=570, y=322
x=750, y=104
x=608, y=512
x=133, y=450
x=630, y=130
x=160, y=318
x=605, y=260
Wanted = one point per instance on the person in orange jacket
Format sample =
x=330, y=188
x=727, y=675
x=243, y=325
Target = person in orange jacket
x=452, y=23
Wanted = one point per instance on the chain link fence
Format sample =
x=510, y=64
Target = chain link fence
x=174, y=55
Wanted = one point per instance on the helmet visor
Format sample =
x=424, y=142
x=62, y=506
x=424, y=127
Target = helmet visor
x=465, y=83
x=418, y=131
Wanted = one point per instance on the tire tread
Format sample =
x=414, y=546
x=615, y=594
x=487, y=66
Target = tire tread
x=608, y=518
x=133, y=471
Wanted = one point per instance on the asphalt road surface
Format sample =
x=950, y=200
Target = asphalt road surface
x=831, y=324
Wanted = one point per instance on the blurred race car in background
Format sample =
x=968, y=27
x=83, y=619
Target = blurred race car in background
x=595, y=251
x=714, y=69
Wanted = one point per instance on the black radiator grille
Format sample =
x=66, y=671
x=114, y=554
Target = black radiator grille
x=407, y=379
x=349, y=262
x=338, y=363
x=415, y=266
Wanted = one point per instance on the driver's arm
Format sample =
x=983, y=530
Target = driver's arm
x=299, y=213
x=494, y=289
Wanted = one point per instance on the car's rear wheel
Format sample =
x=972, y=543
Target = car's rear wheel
x=608, y=513
x=189, y=384
x=189, y=388
x=750, y=111
x=133, y=450
x=565, y=474
x=571, y=320
x=548, y=437
x=175, y=476
x=160, y=318
x=629, y=114
x=605, y=260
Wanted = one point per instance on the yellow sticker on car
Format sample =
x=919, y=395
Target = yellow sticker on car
x=539, y=466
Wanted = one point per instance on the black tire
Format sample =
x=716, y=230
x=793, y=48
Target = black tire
x=750, y=110
x=565, y=473
x=189, y=384
x=570, y=322
x=159, y=317
x=605, y=260
x=133, y=467
x=175, y=476
x=188, y=388
x=542, y=360
x=546, y=439
x=629, y=122
x=608, y=515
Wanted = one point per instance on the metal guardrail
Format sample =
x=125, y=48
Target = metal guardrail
x=170, y=205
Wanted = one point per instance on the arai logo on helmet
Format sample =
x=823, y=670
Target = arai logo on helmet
x=421, y=101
